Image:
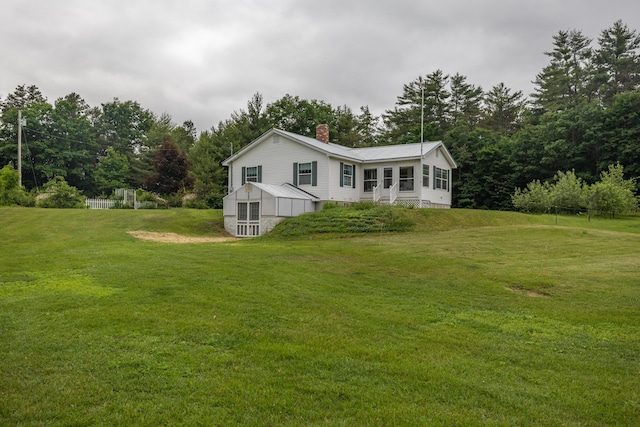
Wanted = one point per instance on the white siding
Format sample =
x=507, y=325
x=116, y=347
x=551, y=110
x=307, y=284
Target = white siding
x=277, y=155
x=439, y=196
x=343, y=194
x=293, y=207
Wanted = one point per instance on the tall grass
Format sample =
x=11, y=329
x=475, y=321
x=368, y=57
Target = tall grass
x=471, y=318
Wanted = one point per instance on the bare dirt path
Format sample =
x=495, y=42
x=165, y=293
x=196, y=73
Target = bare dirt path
x=177, y=238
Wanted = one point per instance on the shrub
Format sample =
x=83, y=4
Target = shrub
x=613, y=193
x=11, y=193
x=58, y=194
x=205, y=200
x=536, y=198
x=568, y=192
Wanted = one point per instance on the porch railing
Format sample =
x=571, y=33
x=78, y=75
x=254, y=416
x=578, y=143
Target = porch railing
x=377, y=192
x=393, y=193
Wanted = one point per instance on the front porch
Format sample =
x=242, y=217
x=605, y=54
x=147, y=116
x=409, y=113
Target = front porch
x=392, y=196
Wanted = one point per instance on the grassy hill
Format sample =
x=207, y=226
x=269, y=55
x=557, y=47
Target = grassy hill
x=467, y=318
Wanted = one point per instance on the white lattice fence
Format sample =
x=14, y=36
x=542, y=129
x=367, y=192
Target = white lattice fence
x=413, y=203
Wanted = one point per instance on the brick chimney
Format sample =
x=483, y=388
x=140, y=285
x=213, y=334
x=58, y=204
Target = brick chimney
x=322, y=133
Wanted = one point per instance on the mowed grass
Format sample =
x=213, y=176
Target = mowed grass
x=471, y=318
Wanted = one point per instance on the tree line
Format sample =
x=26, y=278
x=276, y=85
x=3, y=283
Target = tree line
x=582, y=117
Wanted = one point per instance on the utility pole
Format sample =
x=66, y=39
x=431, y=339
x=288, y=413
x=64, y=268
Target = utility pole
x=421, y=171
x=20, y=148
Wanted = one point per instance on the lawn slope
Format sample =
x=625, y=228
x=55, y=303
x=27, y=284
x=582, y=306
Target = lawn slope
x=469, y=318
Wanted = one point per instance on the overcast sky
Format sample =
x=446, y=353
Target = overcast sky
x=201, y=60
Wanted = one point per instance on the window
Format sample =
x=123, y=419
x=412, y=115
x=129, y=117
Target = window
x=370, y=179
x=242, y=211
x=388, y=177
x=249, y=211
x=441, y=178
x=347, y=175
x=304, y=173
x=425, y=175
x=406, y=178
x=251, y=174
x=254, y=211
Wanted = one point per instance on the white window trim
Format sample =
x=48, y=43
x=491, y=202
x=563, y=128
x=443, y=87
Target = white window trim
x=407, y=179
x=307, y=176
x=371, y=181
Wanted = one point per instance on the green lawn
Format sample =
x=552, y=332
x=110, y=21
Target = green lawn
x=470, y=318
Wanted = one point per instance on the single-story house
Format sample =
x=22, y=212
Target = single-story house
x=282, y=174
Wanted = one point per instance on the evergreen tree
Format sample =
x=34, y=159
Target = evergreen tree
x=565, y=82
x=503, y=110
x=617, y=62
x=210, y=178
x=465, y=103
x=404, y=122
x=368, y=128
x=436, y=101
x=620, y=141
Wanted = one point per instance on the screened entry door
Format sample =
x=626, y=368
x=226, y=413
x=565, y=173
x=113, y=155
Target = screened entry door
x=248, y=222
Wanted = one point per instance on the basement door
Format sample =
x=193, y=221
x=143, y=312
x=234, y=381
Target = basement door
x=248, y=219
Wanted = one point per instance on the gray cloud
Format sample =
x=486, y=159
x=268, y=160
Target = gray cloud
x=201, y=60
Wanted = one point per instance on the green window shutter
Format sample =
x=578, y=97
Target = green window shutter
x=314, y=174
x=259, y=173
x=295, y=174
x=353, y=177
x=341, y=174
x=244, y=175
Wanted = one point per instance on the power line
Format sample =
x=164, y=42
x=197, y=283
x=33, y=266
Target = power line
x=33, y=171
x=86, y=142
x=58, y=137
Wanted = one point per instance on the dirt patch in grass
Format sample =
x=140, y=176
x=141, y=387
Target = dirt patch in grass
x=527, y=292
x=177, y=238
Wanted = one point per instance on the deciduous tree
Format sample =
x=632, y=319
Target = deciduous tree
x=171, y=172
x=112, y=172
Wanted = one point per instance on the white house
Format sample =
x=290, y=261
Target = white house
x=282, y=174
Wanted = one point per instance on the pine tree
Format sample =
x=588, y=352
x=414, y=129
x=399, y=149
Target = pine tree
x=503, y=110
x=565, y=82
x=617, y=62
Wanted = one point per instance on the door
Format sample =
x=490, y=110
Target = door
x=248, y=219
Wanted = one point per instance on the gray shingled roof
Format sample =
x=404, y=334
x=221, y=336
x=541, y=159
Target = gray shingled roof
x=393, y=152
x=365, y=154
x=331, y=148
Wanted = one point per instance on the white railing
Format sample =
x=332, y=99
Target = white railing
x=393, y=193
x=377, y=192
x=100, y=203
x=248, y=229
